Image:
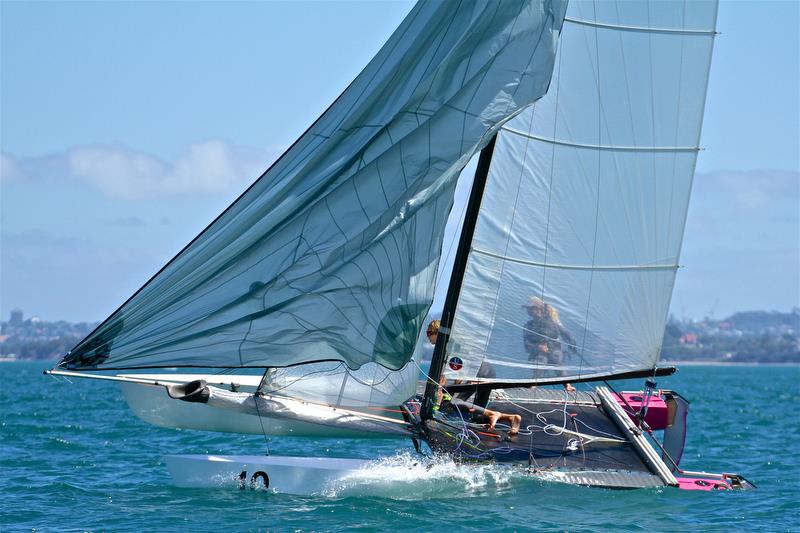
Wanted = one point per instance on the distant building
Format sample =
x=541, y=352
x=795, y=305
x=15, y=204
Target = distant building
x=688, y=338
x=16, y=317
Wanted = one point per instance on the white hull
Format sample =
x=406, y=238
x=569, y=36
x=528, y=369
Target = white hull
x=289, y=475
x=152, y=404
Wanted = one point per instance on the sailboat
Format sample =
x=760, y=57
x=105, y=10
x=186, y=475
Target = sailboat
x=299, y=309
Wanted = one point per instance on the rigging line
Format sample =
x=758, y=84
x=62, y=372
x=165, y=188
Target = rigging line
x=631, y=410
x=575, y=267
x=643, y=29
x=258, y=412
x=610, y=435
x=244, y=339
x=592, y=438
x=602, y=147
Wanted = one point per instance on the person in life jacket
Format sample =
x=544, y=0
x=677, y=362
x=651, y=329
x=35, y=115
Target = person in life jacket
x=546, y=340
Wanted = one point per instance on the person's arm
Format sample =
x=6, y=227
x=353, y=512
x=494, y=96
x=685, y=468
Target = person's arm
x=566, y=339
x=528, y=338
x=565, y=334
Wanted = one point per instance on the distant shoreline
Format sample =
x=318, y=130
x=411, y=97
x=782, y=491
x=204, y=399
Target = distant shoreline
x=663, y=363
x=725, y=363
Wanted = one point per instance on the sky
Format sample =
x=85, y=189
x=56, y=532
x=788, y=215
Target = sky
x=126, y=127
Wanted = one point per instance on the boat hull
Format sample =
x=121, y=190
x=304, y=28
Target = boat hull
x=289, y=475
x=152, y=404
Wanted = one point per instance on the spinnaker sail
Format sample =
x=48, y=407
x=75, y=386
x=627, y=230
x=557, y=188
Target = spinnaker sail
x=332, y=254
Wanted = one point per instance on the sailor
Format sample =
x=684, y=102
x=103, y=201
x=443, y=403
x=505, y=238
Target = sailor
x=469, y=411
x=485, y=370
x=545, y=337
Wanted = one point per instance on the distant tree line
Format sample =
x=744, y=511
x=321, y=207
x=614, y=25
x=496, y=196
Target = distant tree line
x=754, y=336
x=34, y=338
x=29, y=348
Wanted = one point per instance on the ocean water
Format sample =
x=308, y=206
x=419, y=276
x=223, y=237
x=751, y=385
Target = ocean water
x=73, y=457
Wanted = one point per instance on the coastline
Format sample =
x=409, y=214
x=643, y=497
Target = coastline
x=662, y=363
x=726, y=363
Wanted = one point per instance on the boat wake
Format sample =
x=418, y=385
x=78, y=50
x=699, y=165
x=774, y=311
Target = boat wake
x=408, y=476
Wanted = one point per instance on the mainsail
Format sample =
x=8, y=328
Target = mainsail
x=331, y=255
x=578, y=238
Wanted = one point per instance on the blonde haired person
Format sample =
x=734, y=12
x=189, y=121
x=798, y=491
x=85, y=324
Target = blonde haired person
x=544, y=337
x=433, y=331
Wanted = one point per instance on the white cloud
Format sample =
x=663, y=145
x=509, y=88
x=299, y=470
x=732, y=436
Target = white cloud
x=118, y=172
x=121, y=172
x=204, y=167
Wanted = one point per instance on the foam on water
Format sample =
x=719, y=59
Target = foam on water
x=409, y=476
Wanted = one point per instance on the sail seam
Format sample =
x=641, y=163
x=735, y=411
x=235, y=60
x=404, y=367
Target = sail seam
x=604, y=147
x=575, y=267
x=644, y=29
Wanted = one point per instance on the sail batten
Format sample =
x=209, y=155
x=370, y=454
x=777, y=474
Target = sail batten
x=575, y=267
x=604, y=147
x=643, y=29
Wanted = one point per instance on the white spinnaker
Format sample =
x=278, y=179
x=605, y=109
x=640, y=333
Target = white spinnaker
x=586, y=199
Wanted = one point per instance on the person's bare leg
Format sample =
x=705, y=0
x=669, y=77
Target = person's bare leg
x=492, y=417
x=514, y=421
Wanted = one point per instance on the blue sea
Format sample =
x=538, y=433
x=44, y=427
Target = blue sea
x=75, y=458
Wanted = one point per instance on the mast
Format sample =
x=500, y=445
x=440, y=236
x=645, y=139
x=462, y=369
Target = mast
x=457, y=276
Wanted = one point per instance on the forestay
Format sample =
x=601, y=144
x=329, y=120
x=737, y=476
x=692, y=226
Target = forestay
x=332, y=253
x=579, y=235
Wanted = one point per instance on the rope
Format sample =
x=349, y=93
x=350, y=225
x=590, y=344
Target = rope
x=258, y=411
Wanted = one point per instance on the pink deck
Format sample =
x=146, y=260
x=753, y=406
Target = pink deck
x=706, y=484
x=657, y=416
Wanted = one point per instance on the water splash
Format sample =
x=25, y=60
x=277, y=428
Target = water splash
x=409, y=476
